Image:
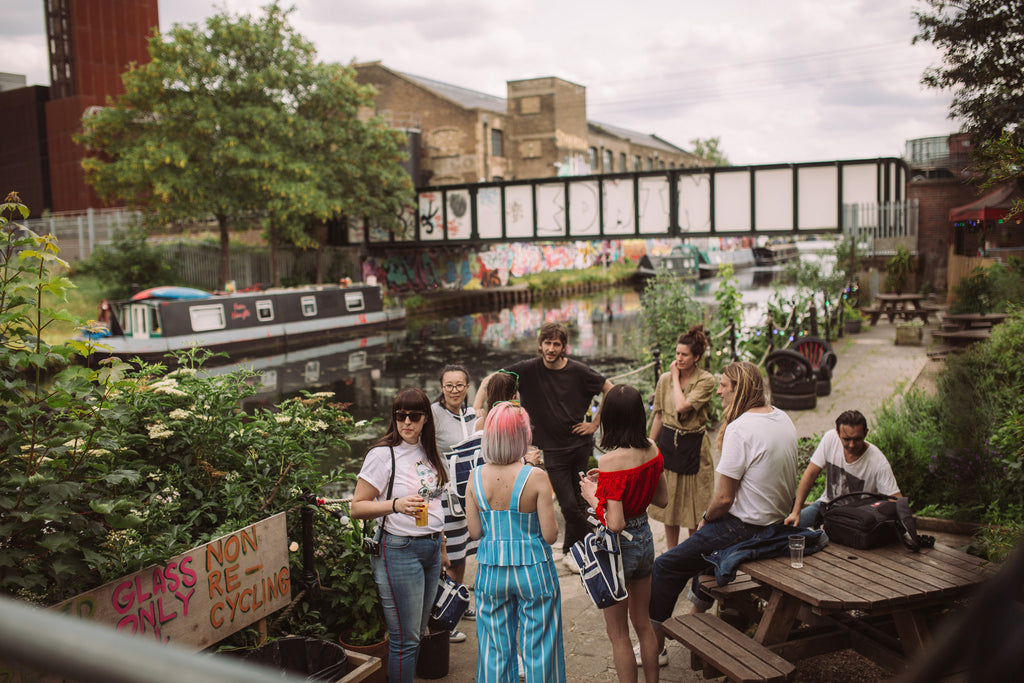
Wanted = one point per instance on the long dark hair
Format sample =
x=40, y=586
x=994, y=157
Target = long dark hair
x=623, y=419
x=415, y=399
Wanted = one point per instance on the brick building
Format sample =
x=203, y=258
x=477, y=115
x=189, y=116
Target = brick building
x=540, y=129
x=91, y=43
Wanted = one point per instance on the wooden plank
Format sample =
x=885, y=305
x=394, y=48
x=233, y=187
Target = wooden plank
x=777, y=622
x=838, y=582
x=894, y=590
x=870, y=559
x=802, y=583
x=726, y=649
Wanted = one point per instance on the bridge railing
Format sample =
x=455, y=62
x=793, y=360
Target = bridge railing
x=881, y=228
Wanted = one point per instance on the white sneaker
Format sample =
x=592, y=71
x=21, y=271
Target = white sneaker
x=570, y=564
x=662, y=656
x=456, y=636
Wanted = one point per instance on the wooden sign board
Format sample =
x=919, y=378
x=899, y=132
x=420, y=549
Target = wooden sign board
x=199, y=597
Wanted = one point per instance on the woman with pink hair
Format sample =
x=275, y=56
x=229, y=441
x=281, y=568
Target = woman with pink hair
x=509, y=508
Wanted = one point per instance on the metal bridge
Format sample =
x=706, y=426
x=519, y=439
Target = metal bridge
x=770, y=199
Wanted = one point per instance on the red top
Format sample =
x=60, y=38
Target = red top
x=634, y=487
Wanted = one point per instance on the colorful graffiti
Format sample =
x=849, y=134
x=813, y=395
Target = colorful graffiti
x=432, y=268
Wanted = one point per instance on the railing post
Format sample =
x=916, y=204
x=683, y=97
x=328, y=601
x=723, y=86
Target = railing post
x=732, y=340
x=657, y=365
x=771, y=333
x=814, y=319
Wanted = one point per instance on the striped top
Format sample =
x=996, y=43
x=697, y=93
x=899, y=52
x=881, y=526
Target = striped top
x=510, y=538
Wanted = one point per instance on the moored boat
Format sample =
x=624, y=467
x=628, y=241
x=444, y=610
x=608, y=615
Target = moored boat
x=739, y=258
x=158, y=321
x=775, y=254
x=683, y=261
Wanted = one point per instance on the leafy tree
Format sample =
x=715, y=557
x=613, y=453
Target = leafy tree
x=127, y=265
x=238, y=120
x=982, y=42
x=709, y=149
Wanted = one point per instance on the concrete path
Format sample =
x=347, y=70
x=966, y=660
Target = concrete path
x=871, y=370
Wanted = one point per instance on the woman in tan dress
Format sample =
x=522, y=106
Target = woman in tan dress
x=681, y=404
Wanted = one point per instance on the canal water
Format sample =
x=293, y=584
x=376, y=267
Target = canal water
x=368, y=371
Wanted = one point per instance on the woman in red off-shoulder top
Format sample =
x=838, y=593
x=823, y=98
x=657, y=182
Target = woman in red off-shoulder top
x=630, y=476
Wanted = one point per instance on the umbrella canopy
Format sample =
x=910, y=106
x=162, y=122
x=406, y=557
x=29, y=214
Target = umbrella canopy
x=170, y=293
x=991, y=207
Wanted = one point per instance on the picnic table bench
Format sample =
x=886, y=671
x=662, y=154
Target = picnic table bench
x=877, y=602
x=904, y=306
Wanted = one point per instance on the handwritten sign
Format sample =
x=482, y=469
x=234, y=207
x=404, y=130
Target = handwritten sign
x=201, y=596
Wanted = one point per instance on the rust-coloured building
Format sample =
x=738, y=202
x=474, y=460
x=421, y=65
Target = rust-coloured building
x=539, y=130
x=91, y=44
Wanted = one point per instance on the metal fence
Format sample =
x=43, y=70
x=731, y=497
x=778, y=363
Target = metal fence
x=881, y=228
x=79, y=233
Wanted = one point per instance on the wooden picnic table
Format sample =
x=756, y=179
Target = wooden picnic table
x=963, y=337
x=851, y=598
x=967, y=321
x=903, y=306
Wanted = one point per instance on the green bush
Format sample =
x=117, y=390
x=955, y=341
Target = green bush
x=128, y=264
x=909, y=434
x=103, y=472
x=990, y=290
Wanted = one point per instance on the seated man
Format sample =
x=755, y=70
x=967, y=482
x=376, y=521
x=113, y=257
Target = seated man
x=851, y=465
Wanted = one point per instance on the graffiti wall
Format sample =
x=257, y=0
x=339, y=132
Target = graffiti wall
x=462, y=268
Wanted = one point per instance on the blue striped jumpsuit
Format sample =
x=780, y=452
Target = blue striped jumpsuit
x=516, y=591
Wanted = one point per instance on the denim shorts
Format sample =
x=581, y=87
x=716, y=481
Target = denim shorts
x=638, y=553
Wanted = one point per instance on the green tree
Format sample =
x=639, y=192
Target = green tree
x=710, y=150
x=237, y=119
x=982, y=45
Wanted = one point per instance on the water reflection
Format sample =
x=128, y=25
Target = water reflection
x=368, y=371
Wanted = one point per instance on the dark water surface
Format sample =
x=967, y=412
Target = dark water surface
x=367, y=372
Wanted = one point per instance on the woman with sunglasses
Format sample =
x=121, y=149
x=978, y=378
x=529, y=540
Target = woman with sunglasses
x=509, y=507
x=629, y=478
x=455, y=422
x=412, y=542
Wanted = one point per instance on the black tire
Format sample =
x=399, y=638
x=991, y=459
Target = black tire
x=824, y=387
x=795, y=401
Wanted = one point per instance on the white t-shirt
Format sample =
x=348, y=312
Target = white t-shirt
x=413, y=476
x=870, y=472
x=449, y=428
x=759, y=450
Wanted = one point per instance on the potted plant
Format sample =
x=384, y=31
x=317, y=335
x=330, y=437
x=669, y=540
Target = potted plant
x=909, y=333
x=853, y=319
x=899, y=266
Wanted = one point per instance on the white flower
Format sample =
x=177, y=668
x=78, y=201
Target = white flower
x=179, y=414
x=344, y=519
x=283, y=419
x=322, y=394
x=293, y=546
x=98, y=452
x=362, y=423
x=159, y=431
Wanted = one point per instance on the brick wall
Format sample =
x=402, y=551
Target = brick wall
x=935, y=198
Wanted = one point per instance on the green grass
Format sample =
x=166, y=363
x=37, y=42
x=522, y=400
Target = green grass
x=83, y=302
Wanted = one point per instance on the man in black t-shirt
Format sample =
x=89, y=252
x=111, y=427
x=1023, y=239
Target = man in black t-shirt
x=557, y=392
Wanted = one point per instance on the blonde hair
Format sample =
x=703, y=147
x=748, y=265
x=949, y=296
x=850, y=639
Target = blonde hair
x=748, y=393
x=507, y=434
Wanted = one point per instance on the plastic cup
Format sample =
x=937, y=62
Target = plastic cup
x=423, y=514
x=796, y=551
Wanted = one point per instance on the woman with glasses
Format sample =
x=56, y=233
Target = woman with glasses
x=509, y=507
x=401, y=480
x=630, y=477
x=455, y=422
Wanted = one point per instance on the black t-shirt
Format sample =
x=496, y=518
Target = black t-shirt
x=556, y=400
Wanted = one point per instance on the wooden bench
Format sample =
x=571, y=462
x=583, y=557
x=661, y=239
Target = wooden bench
x=874, y=311
x=738, y=595
x=717, y=648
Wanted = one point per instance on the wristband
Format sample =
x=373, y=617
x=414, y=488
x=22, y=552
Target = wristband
x=394, y=501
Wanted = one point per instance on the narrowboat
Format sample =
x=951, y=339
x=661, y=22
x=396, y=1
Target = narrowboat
x=683, y=261
x=739, y=258
x=158, y=321
x=775, y=254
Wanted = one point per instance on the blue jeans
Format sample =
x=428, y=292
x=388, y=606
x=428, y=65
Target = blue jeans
x=810, y=515
x=685, y=562
x=638, y=553
x=407, y=573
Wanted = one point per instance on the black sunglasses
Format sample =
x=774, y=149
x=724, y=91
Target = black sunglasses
x=411, y=415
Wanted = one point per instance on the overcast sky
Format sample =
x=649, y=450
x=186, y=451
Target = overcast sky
x=776, y=80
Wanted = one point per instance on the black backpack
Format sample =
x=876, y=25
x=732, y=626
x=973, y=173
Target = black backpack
x=868, y=520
